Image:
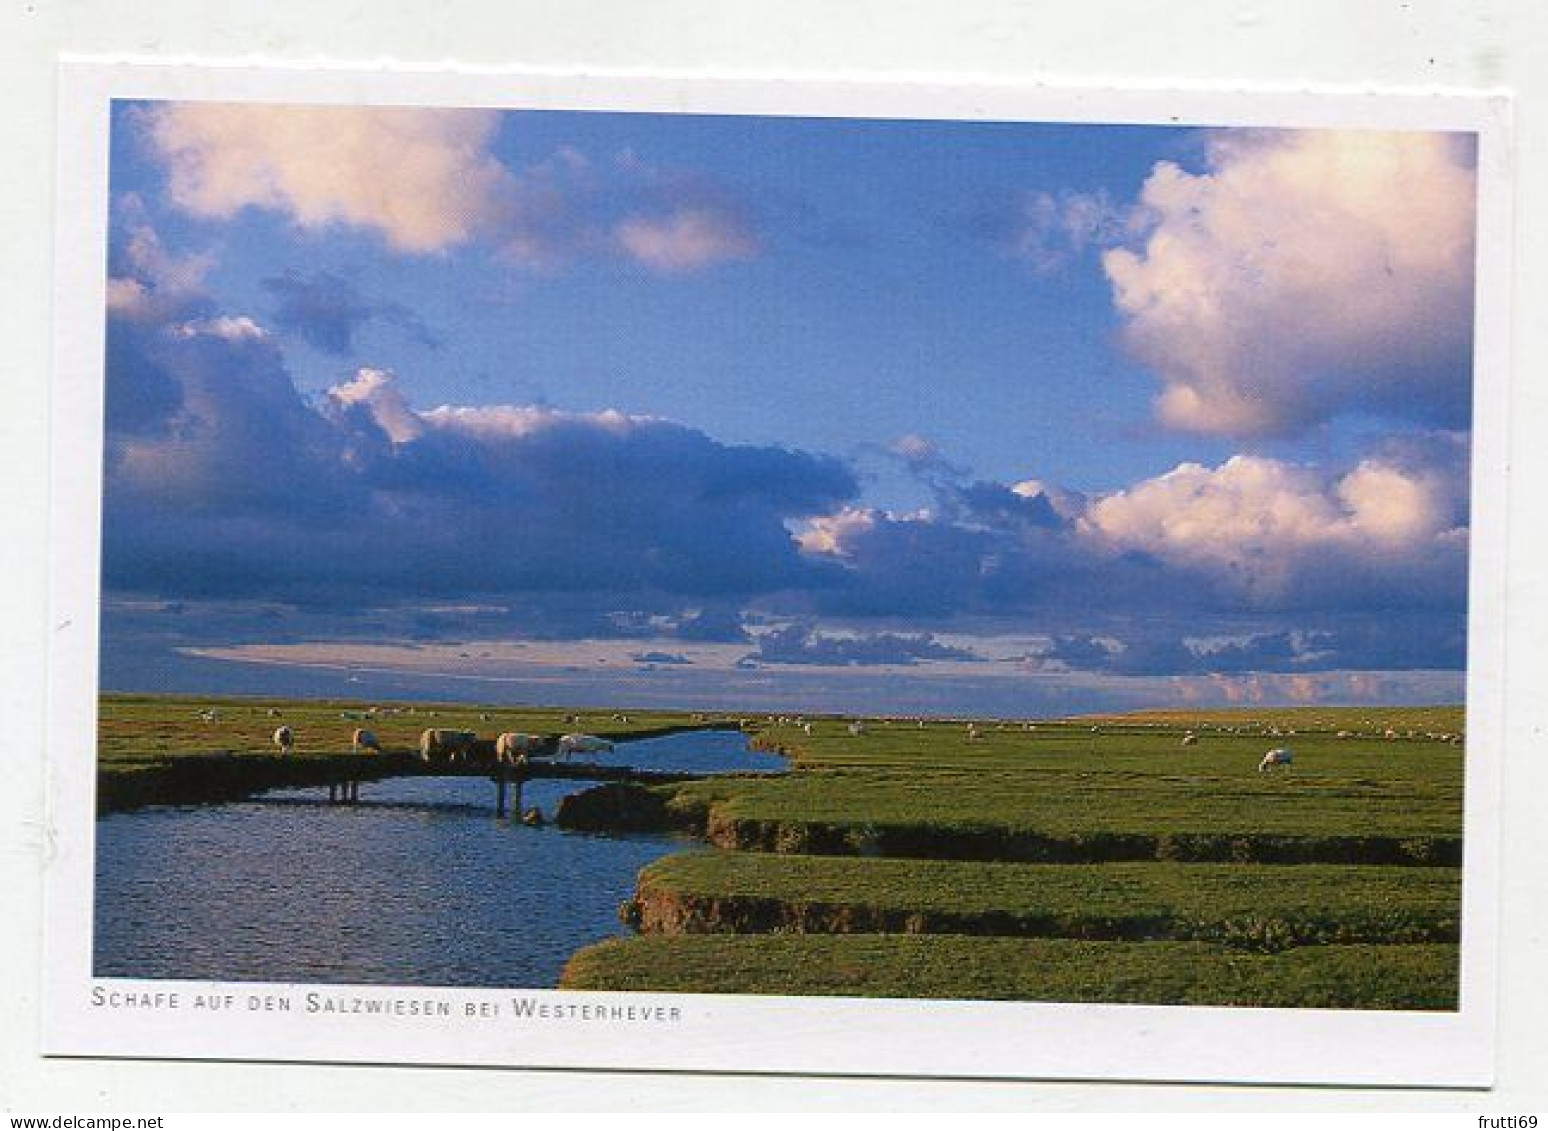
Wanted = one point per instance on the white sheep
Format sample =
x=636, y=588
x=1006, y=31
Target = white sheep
x=1279, y=756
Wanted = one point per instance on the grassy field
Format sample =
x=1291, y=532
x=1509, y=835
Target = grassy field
x=136, y=729
x=1250, y=907
x=1067, y=792
x=1066, y=860
x=1065, y=970
x=917, y=890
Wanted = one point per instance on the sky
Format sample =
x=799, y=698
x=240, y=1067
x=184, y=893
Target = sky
x=822, y=414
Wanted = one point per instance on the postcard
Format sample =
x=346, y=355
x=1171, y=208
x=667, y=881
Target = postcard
x=711, y=575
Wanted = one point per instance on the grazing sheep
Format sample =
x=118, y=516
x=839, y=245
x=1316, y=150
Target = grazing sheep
x=857, y=728
x=1190, y=739
x=285, y=739
x=1279, y=756
x=581, y=744
x=363, y=740
x=513, y=745
x=449, y=744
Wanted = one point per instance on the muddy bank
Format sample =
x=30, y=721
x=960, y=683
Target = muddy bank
x=657, y=909
x=195, y=779
x=635, y=808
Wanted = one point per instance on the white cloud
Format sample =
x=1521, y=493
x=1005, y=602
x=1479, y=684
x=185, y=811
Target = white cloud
x=1305, y=274
x=378, y=392
x=421, y=178
x=515, y=421
x=1267, y=529
x=427, y=180
x=830, y=534
x=152, y=282
x=229, y=328
x=688, y=239
x=1053, y=230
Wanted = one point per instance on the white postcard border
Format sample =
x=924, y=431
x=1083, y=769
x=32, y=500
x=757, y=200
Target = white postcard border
x=716, y=1032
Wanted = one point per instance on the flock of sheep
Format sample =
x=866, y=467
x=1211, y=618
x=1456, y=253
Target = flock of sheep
x=1280, y=757
x=441, y=744
x=449, y=745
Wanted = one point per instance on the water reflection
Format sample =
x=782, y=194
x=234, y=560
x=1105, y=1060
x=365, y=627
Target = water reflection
x=420, y=884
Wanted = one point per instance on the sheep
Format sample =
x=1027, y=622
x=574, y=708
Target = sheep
x=856, y=728
x=513, y=745
x=1279, y=756
x=285, y=739
x=363, y=740
x=450, y=744
x=1190, y=739
x=581, y=744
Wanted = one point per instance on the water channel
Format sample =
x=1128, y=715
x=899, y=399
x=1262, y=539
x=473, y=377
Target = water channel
x=418, y=884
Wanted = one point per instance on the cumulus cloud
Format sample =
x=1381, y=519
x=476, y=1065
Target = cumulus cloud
x=246, y=489
x=688, y=239
x=1302, y=275
x=224, y=482
x=374, y=397
x=1278, y=535
x=800, y=644
x=422, y=179
x=427, y=181
x=327, y=312
x=148, y=282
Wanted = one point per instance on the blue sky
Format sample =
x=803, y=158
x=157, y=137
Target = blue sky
x=1019, y=416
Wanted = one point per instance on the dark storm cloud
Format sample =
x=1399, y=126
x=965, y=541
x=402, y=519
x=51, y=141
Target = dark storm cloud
x=236, y=486
x=1371, y=643
x=355, y=512
x=799, y=644
x=327, y=312
x=659, y=658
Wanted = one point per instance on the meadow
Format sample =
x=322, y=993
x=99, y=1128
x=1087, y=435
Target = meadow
x=1091, y=860
x=1057, y=860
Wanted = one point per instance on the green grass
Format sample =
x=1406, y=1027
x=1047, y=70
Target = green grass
x=1067, y=782
x=139, y=729
x=1052, y=970
x=929, y=820
x=1222, y=801
x=1260, y=907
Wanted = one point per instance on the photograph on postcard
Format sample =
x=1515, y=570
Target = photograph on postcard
x=775, y=555
x=897, y=558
